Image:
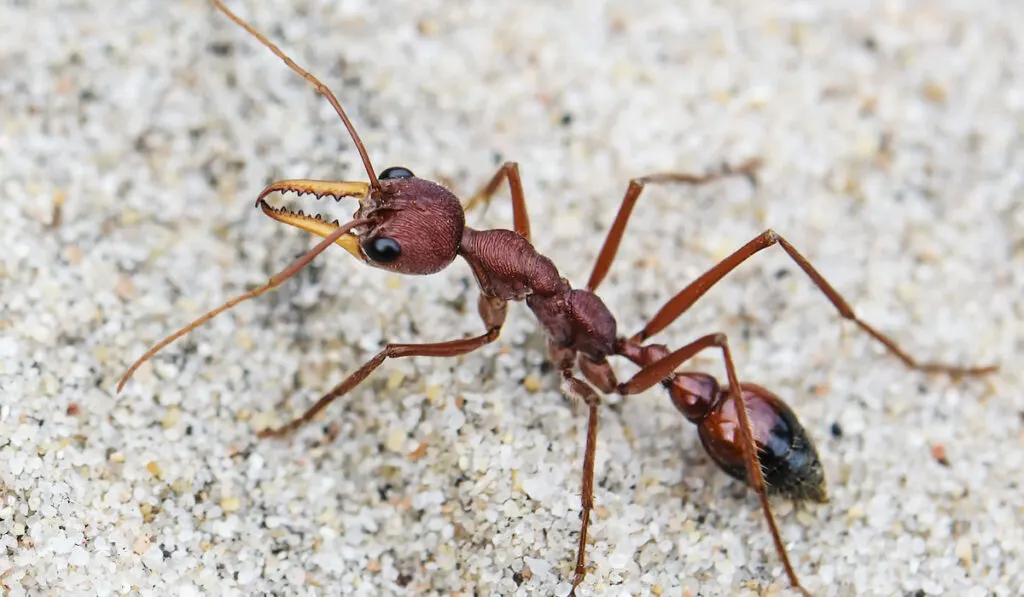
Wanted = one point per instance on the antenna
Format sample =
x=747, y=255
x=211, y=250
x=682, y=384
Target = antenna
x=320, y=87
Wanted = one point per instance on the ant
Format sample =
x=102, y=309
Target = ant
x=409, y=225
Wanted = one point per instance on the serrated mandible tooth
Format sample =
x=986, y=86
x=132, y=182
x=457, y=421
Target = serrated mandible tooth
x=318, y=188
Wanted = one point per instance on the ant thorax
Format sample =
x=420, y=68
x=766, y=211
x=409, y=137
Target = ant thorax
x=507, y=266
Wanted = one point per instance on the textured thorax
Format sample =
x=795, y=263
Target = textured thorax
x=507, y=266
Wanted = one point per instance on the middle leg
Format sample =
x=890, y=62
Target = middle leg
x=580, y=389
x=636, y=186
x=577, y=389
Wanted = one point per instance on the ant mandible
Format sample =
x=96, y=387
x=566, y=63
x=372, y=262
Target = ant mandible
x=410, y=225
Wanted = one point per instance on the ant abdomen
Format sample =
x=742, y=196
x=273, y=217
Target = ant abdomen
x=788, y=457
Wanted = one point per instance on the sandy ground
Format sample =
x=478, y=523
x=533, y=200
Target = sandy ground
x=892, y=140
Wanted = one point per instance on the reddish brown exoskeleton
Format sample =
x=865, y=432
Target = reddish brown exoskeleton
x=409, y=225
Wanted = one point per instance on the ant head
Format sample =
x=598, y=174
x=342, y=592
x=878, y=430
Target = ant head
x=407, y=225
x=416, y=225
x=404, y=224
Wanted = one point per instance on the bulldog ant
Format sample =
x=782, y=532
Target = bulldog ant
x=410, y=225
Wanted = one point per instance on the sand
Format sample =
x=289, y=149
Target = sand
x=891, y=135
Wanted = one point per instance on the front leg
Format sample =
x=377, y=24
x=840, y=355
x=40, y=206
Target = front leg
x=492, y=311
x=509, y=171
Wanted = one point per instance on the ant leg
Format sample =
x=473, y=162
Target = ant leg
x=509, y=172
x=578, y=389
x=636, y=186
x=584, y=392
x=492, y=311
x=660, y=369
x=340, y=235
x=682, y=301
x=319, y=86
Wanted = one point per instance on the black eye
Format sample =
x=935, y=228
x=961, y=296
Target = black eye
x=382, y=250
x=395, y=172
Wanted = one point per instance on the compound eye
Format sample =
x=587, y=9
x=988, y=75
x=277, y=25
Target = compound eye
x=396, y=172
x=382, y=249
